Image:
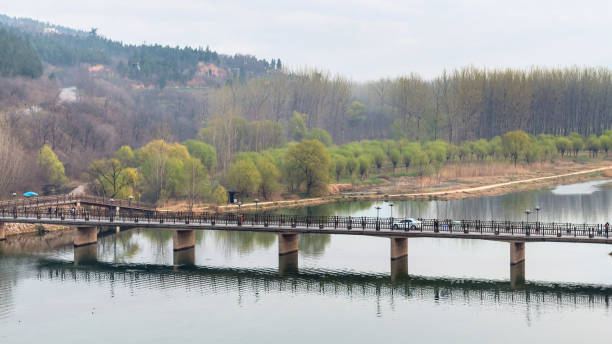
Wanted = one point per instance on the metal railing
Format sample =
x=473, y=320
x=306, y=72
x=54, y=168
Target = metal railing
x=468, y=227
x=58, y=200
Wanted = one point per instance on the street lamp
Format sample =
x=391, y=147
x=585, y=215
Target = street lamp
x=256, y=202
x=130, y=198
x=391, y=207
x=527, y=212
x=239, y=204
x=537, y=209
x=377, y=211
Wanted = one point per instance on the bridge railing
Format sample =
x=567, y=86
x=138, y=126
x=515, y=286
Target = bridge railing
x=59, y=200
x=349, y=223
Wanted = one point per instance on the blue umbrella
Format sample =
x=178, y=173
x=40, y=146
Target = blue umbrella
x=30, y=194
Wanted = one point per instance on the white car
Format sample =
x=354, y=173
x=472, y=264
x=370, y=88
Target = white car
x=408, y=223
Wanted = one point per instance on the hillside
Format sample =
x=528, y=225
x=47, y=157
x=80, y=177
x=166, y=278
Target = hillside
x=146, y=65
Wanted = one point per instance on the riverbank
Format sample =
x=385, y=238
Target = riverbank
x=452, y=183
x=25, y=228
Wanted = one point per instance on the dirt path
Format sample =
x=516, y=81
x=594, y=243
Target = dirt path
x=498, y=185
x=79, y=190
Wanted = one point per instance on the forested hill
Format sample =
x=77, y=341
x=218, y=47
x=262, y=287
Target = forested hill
x=17, y=56
x=153, y=65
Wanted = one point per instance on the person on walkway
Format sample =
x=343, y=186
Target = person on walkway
x=607, y=226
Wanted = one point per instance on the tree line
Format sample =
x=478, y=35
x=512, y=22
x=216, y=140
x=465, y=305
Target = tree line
x=160, y=170
x=459, y=105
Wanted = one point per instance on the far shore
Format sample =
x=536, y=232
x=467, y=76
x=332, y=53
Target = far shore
x=476, y=187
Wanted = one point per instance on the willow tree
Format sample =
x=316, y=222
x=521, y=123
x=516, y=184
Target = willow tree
x=51, y=167
x=309, y=162
x=162, y=166
x=515, y=143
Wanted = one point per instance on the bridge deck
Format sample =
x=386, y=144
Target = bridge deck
x=489, y=230
x=53, y=201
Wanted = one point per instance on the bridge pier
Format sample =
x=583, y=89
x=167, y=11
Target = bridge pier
x=288, y=264
x=287, y=253
x=2, y=231
x=84, y=236
x=517, y=263
x=287, y=243
x=183, y=240
x=184, y=257
x=399, y=258
x=84, y=255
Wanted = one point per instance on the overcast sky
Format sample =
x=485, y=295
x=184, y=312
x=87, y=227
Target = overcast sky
x=360, y=39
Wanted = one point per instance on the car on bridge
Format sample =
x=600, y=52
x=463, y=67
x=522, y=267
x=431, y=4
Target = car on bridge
x=407, y=224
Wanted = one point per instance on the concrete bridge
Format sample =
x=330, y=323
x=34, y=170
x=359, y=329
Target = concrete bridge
x=289, y=227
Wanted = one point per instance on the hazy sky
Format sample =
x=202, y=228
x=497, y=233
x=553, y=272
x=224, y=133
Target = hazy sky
x=360, y=39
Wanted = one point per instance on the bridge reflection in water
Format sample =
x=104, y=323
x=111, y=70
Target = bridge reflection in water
x=328, y=282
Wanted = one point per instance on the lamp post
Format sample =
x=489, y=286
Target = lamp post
x=391, y=207
x=256, y=202
x=377, y=211
x=537, y=209
x=14, y=194
x=527, y=212
x=130, y=199
x=112, y=209
x=239, y=204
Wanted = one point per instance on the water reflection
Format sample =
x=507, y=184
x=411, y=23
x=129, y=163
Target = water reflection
x=327, y=282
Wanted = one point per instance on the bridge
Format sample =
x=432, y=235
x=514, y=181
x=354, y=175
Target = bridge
x=289, y=227
x=73, y=200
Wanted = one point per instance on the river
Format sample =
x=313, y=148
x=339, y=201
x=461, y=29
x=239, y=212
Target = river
x=457, y=290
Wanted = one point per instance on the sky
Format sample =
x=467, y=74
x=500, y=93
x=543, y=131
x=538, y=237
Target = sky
x=362, y=40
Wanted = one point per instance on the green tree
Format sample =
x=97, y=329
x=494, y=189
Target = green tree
x=606, y=143
x=269, y=177
x=577, y=142
x=162, y=166
x=351, y=165
x=220, y=195
x=563, y=145
x=321, y=135
x=109, y=178
x=339, y=166
x=354, y=113
x=52, y=169
x=195, y=178
x=421, y=161
x=593, y=144
x=204, y=152
x=297, y=126
x=364, y=166
x=125, y=156
x=515, y=143
x=379, y=158
x=244, y=177
x=395, y=157
x=309, y=162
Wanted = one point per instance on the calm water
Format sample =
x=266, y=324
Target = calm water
x=457, y=291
